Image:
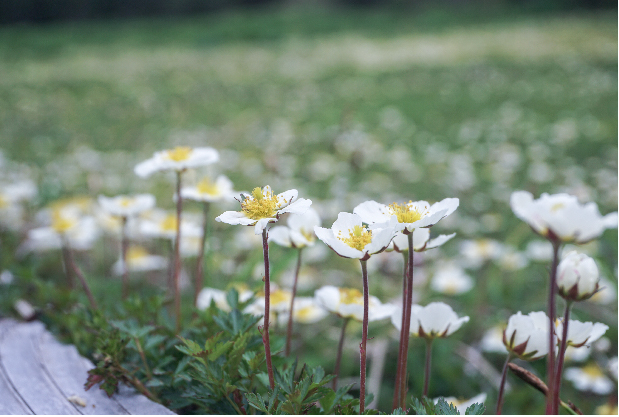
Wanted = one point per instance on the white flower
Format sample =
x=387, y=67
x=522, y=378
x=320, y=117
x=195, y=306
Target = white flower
x=527, y=336
x=263, y=207
x=127, y=206
x=581, y=334
x=613, y=366
x=462, y=405
x=590, y=378
x=208, y=191
x=177, y=159
x=539, y=250
x=410, y=216
x=434, y=320
x=561, y=216
x=421, y=241
x=306, y=311
x=220, y=298
x=492, y=340
x=67, y=226
x=139, y=260
x=348, y=303
x=451, y=279
x=477, y=252
x=607, y=293
x=577, y=277
x=350, y=239
x=163, y=225
x=300, y=230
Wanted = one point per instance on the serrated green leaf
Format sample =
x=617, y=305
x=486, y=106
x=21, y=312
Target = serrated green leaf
x=418, y=407
x=398, y=412
x=443, y=408
x=476, y=409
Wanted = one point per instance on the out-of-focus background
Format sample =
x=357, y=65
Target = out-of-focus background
x=345, y=101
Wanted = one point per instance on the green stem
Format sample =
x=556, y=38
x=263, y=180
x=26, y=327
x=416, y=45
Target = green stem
x=80, y=276
x=177, y=255
x=67, y=266
x=426, y=379
x=199, y=282
x=340, y=348
x=143, y=356
x=407, y=322
x=550, y=370
x=557, y=384
x=499, y=403
x=290, y=314
x=364, y=335
x=267, y=304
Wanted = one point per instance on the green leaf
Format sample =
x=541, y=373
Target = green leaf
x=476, y=409
x=398, y=412
x=418, y=407
x=443, y=408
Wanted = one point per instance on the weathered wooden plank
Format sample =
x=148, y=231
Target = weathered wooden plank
x=10, y=401
x=67, y=369
x=26, y=374
x=136, y=403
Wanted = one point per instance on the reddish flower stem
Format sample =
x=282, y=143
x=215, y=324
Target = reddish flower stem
x=407, y=322
x=499, y=403
x=177, y=255
x=364, y=334
x=124, y=245
x=426, y=376
x=73, y=266
x=550, y=371
x=557, y=383
x=294, y=294
x=340, y=348
x=199, y=281
x=398, y=375
x=67, y=266
x=267, y=306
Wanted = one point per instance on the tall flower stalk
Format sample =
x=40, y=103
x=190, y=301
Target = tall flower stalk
x=199, y=281
x=406, y=323
x=349, y=238
x=499, y=402
x=340, y=348
x=550, y=363
x=259, y=209
x=294, y=294
x=177, y=256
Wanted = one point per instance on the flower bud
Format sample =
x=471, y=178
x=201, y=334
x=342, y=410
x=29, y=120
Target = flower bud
x=577, y=277
x=527, y=336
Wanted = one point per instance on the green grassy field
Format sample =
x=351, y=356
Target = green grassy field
x=344, y=107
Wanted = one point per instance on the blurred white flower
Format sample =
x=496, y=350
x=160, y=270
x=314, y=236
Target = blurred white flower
x=607, y=293
x=590, y=378
x=6, y=277
x=220, y=298
x=462, y=405
x=527, y=336
x=581, y=334
x=306, y=311
x=450, y=279
x=477, y=252
x=577, y=277
x=613, y=366
x=349, y=238
x=434, y=320
x=492, y=340
x=539, y=250
x=161, y=224
x=561, y=216
x=410, y=216
x=263, y=207
x=513, y=260
x=139, y=260
x=177, y=159
x=300, y=230
x=421, y=241
x=348, y=303
x=68, y=226
x=208, y=191
x=127, y=206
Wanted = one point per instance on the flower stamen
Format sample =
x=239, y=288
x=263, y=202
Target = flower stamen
x=260, y=205
x=180, y=153
x=405, y=213
x=206, y=186
x=357, y=238
x=350, y=296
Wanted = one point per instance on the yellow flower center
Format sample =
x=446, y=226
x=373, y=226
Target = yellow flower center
x=404, y=213
x=261, y=206
x=206, y=186
x=351, y=296
x=357, y=238
x=125, y=201
x=62, y=224
x=304, y=314
x=557, y=207
x=593, y=371
x=279, y=296
x=136, y=253
x=169, y=223
x=3, y=201
x=82, y=203
x=307, y=234
x=180, y=153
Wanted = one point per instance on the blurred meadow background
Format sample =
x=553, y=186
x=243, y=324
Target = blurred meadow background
x=345, y=102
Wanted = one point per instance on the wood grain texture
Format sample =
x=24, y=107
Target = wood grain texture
x=38, y=375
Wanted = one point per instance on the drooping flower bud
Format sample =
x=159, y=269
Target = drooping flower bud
x=577, y=277
x=527, y=336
